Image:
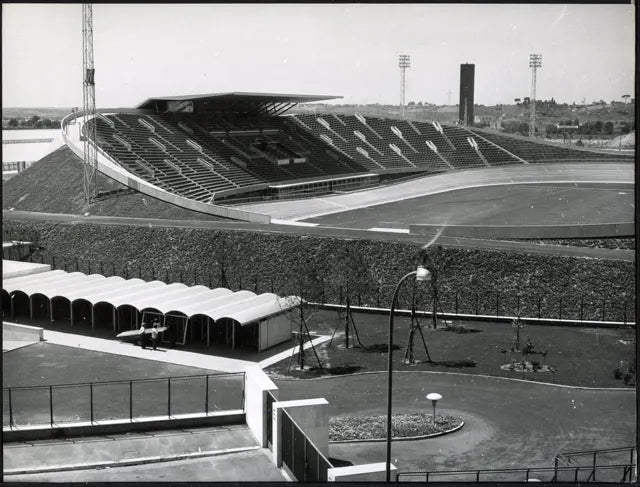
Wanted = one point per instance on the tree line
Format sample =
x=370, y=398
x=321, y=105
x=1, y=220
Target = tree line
x=34, y=122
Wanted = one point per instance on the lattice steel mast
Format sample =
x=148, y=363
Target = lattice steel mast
x=535, y=62
x=403, y=63
x=89, y=106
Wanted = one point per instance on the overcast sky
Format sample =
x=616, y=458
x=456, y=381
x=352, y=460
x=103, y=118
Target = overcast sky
x=350, y=50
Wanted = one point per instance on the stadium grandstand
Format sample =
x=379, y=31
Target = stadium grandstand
x=228, y=147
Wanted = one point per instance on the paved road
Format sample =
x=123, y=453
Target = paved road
x=454, y=242
x=507, y=423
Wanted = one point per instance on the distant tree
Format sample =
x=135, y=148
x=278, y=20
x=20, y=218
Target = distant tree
x=624, y=128
x=608, y=128
x=33, y=120
x=598, y=127
x=13, y=122
x=411, y=103
x=46, y=123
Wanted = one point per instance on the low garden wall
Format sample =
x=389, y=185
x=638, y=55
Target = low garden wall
x=476, y=279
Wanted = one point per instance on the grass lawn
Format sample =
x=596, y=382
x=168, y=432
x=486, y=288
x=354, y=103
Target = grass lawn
x=580, y=356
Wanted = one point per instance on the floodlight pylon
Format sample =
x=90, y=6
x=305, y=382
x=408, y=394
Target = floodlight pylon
x=404, y=62
x=535, y=62
x=89, y=106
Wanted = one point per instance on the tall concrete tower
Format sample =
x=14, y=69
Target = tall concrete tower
x=467, y=75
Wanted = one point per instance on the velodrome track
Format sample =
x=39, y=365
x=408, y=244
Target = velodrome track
x=584, y=172
x=454, y=242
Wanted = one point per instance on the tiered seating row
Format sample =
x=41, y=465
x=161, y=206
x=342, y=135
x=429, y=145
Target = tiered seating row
x=537, y=152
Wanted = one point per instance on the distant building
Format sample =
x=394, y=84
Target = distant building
x=467, y=75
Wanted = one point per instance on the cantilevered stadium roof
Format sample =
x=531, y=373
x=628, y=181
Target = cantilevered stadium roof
x=233, y=102
x=243, y=307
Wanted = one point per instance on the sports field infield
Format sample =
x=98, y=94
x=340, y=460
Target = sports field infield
x=520, y=204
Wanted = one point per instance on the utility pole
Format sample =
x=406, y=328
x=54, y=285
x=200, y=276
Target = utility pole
x=535, y=62
x=404, y=62
x=89, y=106
x=449, y=98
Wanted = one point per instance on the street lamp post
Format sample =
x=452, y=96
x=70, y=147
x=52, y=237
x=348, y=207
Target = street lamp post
x=421, y=274
x=434, y=397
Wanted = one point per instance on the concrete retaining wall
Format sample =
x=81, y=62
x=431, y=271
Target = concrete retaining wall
x=121, y=426
x=21, y=333
x=622, y=229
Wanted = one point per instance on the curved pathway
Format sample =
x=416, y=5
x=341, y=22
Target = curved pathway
x=507, y=423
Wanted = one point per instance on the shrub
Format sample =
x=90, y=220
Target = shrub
x=617, y=373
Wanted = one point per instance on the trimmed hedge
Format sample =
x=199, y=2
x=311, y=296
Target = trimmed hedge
x=510, y=281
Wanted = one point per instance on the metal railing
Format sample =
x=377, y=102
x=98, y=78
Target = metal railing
x=303, y=459
x=93, y=402
x=607, y=473
x=593, y=457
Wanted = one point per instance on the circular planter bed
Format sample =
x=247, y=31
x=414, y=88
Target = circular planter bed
x=404, y=427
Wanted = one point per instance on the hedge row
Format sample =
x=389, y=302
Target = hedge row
x=474, y=279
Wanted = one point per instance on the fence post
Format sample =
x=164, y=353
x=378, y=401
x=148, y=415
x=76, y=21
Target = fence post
x=11, y=413
x=359, y=300
x=255, y=284
x=526, y=479
x=340, y=295
x=555, y=470
x=518, y=305
x=476, y=304
x=581, y=307
x=101, y=268
x=240, y=282
x=139, y=272
x=77, y=265
x=456, y=302
x=113, y=269
x=51, y=405
x=378, y=298
x=126, y=271
x=181, y=275
x=89, y=263
x=595, y=453
x=169, y=397
x=131, y=401
x=539, y=306
x=560, y=309
x=497, y=304
x=153, y=273
x=271, y=278
x=166, y=276
x=604, y=303
x=91, y=399
x=53, y=261
x=206, y=394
